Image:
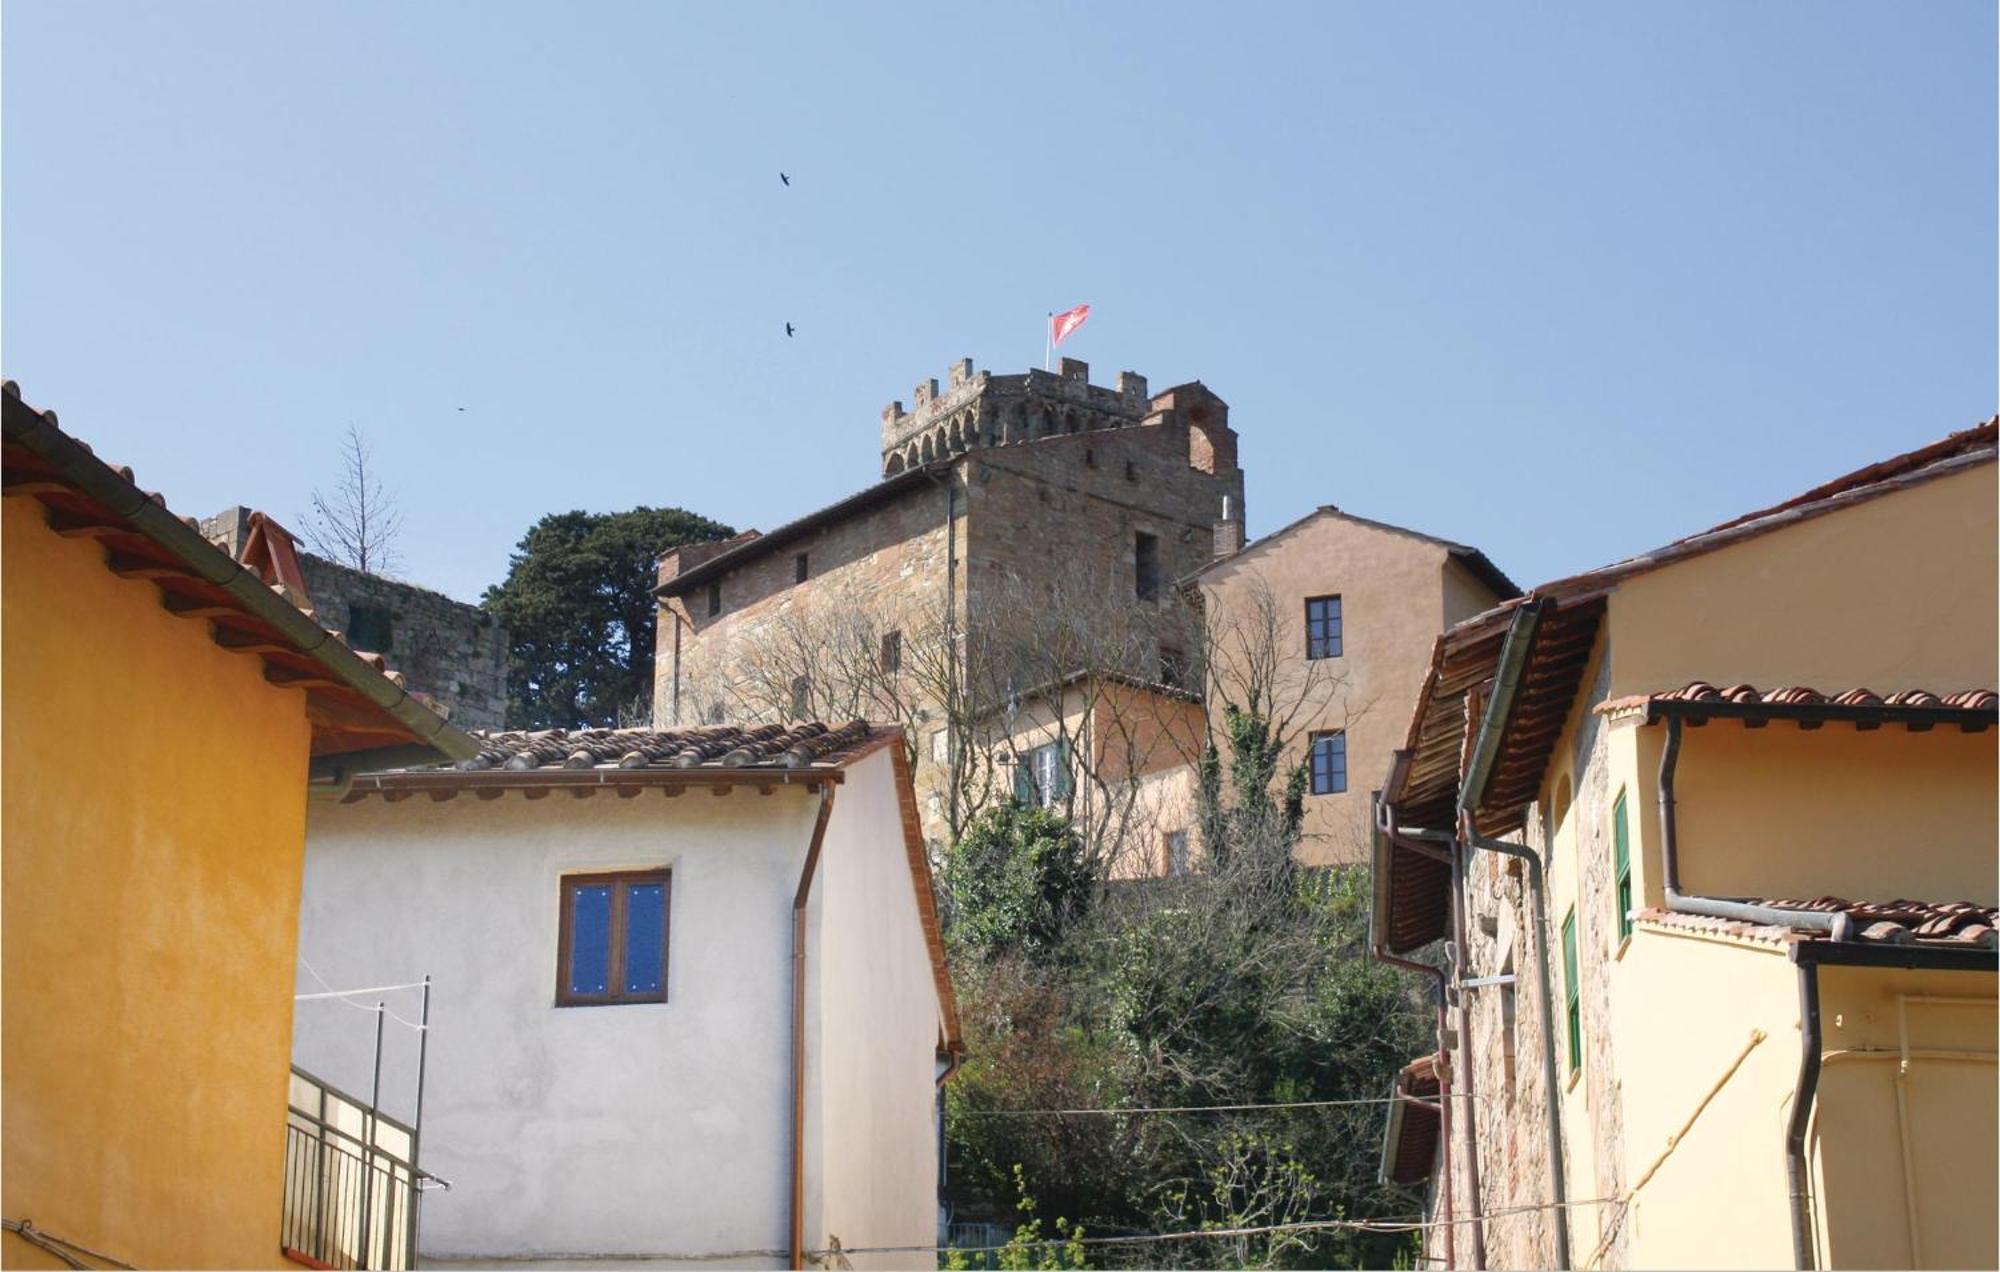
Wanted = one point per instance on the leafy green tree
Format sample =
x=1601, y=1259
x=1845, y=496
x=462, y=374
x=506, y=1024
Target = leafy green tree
x=579, y=608
x=1246, y=984
x=1018, y=880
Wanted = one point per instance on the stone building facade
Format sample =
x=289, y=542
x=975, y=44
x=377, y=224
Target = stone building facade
x=1001, y=496
x=454, y=654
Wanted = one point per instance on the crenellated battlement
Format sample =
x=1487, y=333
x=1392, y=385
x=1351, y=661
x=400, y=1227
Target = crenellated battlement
x=978, y=408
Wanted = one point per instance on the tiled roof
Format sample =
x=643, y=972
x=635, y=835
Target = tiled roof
x=362, y=717
x=774, y=746
x=1949, y=924
x=1410, y=1140
x=1470, y=557
x=1571, y=609
x=1918, y=709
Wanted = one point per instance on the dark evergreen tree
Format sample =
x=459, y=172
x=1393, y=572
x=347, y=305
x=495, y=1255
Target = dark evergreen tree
x=579, y=609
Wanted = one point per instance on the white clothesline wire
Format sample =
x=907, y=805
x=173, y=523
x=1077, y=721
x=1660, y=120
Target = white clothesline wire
x=341, y=996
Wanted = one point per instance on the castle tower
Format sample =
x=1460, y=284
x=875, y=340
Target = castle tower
x=979, y=409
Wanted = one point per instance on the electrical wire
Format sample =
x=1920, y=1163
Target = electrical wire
x=340, y=996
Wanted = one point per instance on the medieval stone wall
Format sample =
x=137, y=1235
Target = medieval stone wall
x=1059, y=493
x=453, y=653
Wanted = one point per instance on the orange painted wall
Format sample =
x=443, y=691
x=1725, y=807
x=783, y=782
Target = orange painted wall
x=154, y=823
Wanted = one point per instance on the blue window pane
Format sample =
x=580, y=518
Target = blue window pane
x=590, y=941
x=645, y=932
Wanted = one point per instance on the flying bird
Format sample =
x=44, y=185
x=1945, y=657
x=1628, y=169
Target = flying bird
x=789, y=329
x=461, y=409
x=782, y=177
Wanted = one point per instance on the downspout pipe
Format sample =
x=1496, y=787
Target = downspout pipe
x=1810, y=1059
x=799, y=899
x=1558, y=1172
x=1426, y=844
x=1437, y=976
x=1839, y=925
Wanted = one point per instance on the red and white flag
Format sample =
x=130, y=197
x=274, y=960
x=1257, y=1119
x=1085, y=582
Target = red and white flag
x=1060, y=325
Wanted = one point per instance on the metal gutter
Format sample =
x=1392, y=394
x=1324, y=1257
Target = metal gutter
x=799, y=899
x=1507, y=674
x=36, y=431
x=1837, y=924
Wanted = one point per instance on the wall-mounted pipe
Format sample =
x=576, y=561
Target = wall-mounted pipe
x=799, y=899
x=1457, y=994
x=1426, y=844
x=1804, y=1092
x=1436, y=974
x=1838, y=924
x=1538, y=923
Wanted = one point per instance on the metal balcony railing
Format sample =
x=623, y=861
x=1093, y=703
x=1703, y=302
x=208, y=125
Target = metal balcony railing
x=350, y=1184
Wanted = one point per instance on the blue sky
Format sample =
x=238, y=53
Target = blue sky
x=1561, y=282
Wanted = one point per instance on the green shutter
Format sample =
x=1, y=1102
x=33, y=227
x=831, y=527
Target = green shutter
x=1024, y=779
x=1572, y=993
x=1062, y=769
x=1621, y=876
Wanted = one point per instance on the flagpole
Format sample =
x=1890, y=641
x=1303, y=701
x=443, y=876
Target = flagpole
x=1048, y=338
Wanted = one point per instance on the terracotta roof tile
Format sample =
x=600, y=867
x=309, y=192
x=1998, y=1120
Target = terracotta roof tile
x=1959, y=924
x=774, y=746
x=1918, y=708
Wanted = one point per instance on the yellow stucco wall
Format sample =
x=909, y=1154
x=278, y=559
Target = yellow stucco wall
x=1893, y=593
x=154, y=822
x=1865, y=1201
x=1682, y=1010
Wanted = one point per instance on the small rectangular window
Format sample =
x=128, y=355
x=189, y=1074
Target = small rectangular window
x=714, y=598
x=802, y=692
x=370, y=628
x=1177, y=852
x=1146, y=566
x=1572, y=992
x=892, y=652
x=1322, y=627
x=1173, y=667
x=1329, y=763
x=613, y=944
x=1041, y=776
x=799, y=570
x=1621, y=865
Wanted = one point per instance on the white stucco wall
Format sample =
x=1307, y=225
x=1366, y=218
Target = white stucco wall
x=652, y=1130
x=877, y=1035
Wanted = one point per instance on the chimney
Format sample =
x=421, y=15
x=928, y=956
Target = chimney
x=1228, y=532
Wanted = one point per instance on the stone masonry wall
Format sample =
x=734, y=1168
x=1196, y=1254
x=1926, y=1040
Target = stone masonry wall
x=1510, y=1091
x=1061, y=505
x=453, y=653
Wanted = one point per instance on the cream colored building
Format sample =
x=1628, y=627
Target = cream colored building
x=1115, y=755
x=1329, y=624
x=1753, y=776
x=690, y=1003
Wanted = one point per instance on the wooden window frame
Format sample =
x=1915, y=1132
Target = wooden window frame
x=801, y=567
x=621, y=883
x=1338, y=640
x=1312, y=762
x=890, y=657
x=714, y=598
